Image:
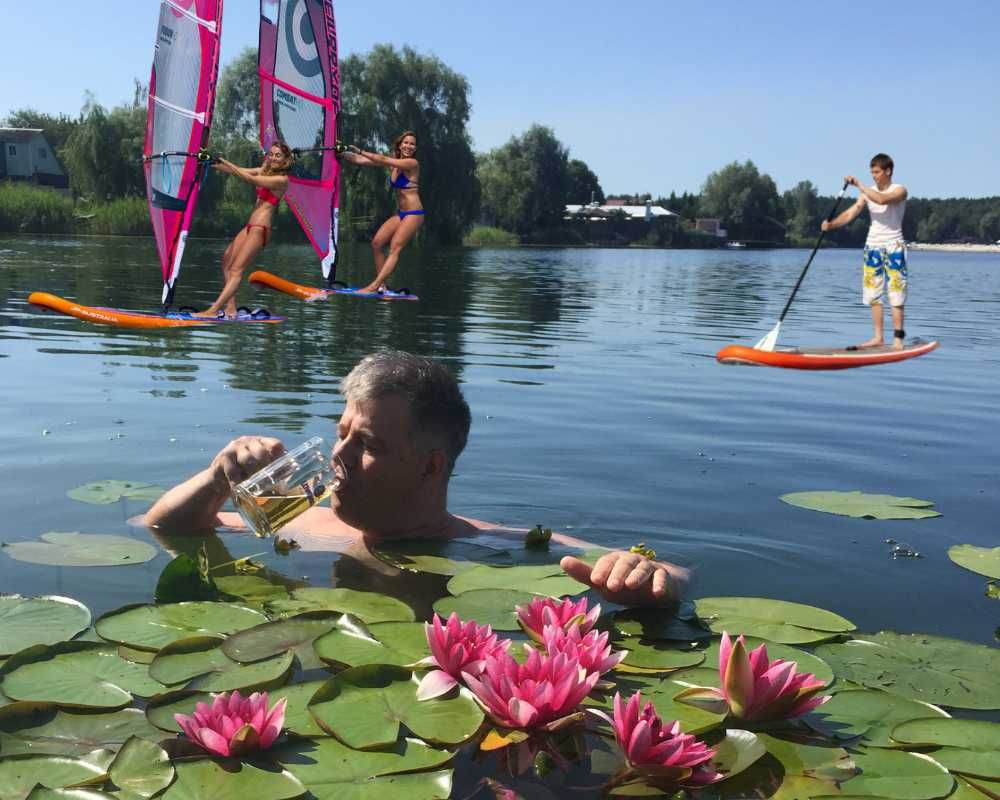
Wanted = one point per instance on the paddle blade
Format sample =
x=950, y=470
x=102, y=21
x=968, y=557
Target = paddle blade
x=770, y=340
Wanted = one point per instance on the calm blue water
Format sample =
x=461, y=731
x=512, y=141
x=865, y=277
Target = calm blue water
x=598, y=409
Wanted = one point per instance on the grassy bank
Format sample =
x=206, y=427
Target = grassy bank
x=29, y=209
x=485, y=236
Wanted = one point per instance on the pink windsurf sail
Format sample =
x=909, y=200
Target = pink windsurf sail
x=178, y=120
x=299, y=104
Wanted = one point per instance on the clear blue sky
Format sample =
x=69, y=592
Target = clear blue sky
x=652, y=94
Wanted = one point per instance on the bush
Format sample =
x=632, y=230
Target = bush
x=32, y=209
x=487, y=236
x=555, y=236
x=126, y=216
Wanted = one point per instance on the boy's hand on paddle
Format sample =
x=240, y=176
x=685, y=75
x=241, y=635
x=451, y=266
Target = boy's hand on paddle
x=628, y=579
x=242, y=457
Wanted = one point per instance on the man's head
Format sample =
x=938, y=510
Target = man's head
x=882, y=167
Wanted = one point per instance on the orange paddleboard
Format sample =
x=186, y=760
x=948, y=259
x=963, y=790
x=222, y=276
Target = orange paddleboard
x=823, y=357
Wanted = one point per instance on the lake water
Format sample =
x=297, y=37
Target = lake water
x=598, y=409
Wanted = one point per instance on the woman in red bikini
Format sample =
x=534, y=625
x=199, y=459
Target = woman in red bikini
x=397, y=231
x=271, y=181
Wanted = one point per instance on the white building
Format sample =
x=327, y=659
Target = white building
x=25, y=155
x=647, y=212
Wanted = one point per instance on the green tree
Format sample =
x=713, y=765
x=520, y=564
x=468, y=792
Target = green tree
x=801, y=209
x=989, y=225
x=745, y=200
x=237, y=104
x=582, y=183
x=103, y=154
x=57, y=128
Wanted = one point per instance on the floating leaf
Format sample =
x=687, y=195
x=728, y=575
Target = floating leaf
x=364, y=706
x=657, y=623
x=983, y=560
x=292, y=634
x=252, y=589
x=27, y=621
x=367, y=606
x=806, y=770
x=201, y=662
x=969, y=746
x=104, y=493
x=541, y=579
x=140, y=770
x=870, y=713
x=447, y=557
x=81, y=550
x=59, y=732
x=186, y=578
x=19, y=774
x=658, y=656
x=333, y=771
x=934, y=669
x=773, y=620
x=493, y=607
x=231, y=779
x=859, y=504
x=44, y=793
x=148, y=627
x=736, y=751
x=352, y=643
x=899, y=775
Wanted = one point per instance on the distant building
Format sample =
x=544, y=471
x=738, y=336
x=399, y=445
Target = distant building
x=647, y=212
x=25, y=155
x=711, y=226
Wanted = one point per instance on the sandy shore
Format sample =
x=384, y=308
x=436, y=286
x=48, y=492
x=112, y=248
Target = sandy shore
x=957, y=248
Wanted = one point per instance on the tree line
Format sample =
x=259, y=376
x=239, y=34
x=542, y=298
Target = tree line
x=521, y=187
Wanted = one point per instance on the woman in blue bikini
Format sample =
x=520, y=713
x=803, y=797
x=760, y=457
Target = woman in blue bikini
x=397, y=231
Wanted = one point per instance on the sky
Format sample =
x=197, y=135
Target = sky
x=653, y=95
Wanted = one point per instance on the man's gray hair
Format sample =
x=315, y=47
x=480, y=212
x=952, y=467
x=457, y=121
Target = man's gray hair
x=435, y=399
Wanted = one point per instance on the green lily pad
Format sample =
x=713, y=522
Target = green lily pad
x=977, y=788
x=201, y=662
x=369, y=607
x=147, y=627
x=983, y=560
x=736, y=751
x=352, y=643
x=80, y=674
x=81, y=550
x=773, y=620
x=251, y=589
x=859, y=504
x=969, y=746
x=364, y=706
x=657, y=623
x=900, y=775
x=661, y=692
x=292, y=634
x=494, y=607
x=27, y=621
x=44, y=793
x=447, y=557
x=804, y=661
x=66, y=733
x=868, y=713
x=806, y=770
x=140, y=770
x=333, y=771
x=19, y=774
x=655, y=655
x=104, y=493
x=945, y=672
x=231, y=779
x=541, y=579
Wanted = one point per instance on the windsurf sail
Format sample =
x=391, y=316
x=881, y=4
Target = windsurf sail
x=178, y=119
x=299, y=104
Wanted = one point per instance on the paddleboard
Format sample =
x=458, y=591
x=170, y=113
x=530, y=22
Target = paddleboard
x=124, y=318
x=823, y=357
x=313, y=293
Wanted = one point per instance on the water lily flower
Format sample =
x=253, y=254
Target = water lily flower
x=660, y=750
x=592, y=650
x=565, y=613
x=234, y=725
x=540, y=693
x=456, y=647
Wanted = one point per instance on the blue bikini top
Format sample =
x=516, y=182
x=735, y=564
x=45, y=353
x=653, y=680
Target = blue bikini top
x=402, y=182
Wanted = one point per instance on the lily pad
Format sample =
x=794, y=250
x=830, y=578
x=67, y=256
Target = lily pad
x=983, y=560
x=333, y=771
x=140, y=770
x=448, y=557
x=364, y=706
x=80, y=674
x=148, y=627
x=104, y=493
x=67, y=733
x=655, y=655
x=186, y=578
x=19, y=774
x=656, y=623
x=81, y=550
x=231, y=779
x=292, y=634
x=541, y=579
x=866, y=506
x=352, y=643
x=27, y=621
x=774, y=620
x=201, y=662
x=900, y=775
x=945, y=672
x=969, y=746
x=494, y=607
x=868, y=713
x=806, y=770
x=367, y=606
x=45, y=793
x=251, y=589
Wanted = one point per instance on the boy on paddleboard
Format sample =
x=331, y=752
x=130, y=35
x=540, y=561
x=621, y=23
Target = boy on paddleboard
x=884, y=259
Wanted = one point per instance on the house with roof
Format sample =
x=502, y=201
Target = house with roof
x=596, y=211
x=26, y=155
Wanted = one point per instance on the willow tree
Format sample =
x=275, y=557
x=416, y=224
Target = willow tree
x=103, y=153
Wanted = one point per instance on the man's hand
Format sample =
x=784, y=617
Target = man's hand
x=242, y=457
x=850, y=180
x=629, y=579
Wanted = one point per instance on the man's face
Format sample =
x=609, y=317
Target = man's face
x=385, y=463
x=881, y=176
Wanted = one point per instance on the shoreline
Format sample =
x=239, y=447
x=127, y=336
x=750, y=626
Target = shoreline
x=956, y=248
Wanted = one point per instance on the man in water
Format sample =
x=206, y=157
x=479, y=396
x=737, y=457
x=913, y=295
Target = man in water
x=404, y=425
x=884, y=262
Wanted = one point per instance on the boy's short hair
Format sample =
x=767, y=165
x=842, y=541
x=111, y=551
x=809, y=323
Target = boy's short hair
x=882, y=161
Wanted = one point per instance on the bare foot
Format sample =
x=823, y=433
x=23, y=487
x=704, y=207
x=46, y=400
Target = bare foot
x=873, y=342
x=897, y=344
x=208, y=314
x=371, y=289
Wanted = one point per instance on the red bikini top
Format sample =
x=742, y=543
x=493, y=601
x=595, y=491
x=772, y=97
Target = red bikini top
x=267, y=196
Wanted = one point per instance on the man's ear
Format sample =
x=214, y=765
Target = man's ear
x=436, y=464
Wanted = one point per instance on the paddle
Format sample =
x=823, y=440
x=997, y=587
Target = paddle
x=771, y=339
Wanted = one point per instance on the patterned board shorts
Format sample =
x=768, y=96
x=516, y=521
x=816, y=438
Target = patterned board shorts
x=880, y=263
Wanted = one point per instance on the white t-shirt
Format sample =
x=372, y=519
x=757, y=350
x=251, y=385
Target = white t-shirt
x=887, y=221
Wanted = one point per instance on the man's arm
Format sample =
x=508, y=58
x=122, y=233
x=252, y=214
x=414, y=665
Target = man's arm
x=845, y=217
x=630, y=579
x=896, y=195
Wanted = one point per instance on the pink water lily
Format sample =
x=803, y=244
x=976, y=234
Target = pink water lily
x=456, y=647
x=564, y=613
x=234, y=725
x=536, y=694
x=592, y=650
x=660, y=750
